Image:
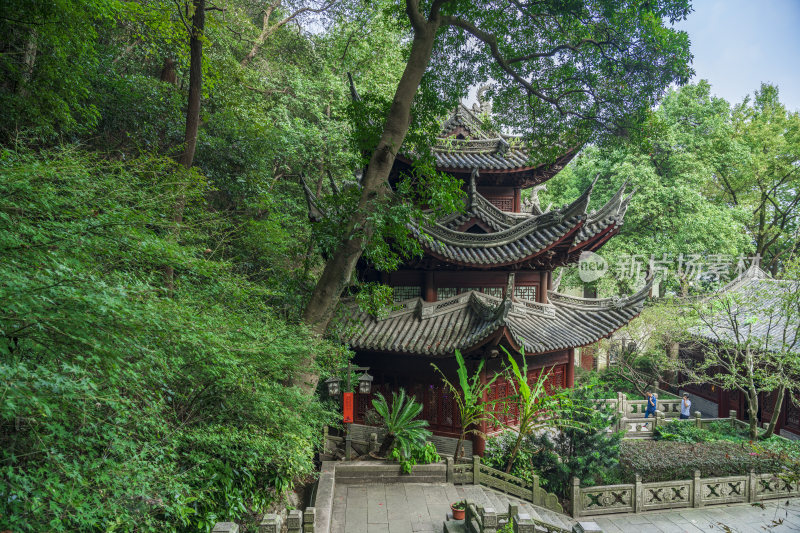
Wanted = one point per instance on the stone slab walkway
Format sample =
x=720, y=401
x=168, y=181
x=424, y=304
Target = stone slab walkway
x=422, y=507
x=775, y=516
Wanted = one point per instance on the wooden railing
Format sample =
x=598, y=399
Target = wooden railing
x=697, y=492
x=477, y=473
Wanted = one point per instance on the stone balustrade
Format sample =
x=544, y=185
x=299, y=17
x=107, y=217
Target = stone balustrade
x=697, y=492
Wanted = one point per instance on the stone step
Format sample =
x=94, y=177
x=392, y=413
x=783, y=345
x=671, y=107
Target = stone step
x=535, y=511
x=454, y=526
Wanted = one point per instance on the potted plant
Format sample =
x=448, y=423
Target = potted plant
x=459, y=508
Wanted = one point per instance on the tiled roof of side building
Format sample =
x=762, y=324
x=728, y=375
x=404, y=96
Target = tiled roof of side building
x=467, y=321
x=758, y=305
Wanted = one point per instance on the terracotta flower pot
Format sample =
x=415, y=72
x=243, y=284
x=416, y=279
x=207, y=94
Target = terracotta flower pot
x=458, y=514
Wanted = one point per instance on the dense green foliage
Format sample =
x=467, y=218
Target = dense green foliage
x=122, y=406
x=581, y=446
x=711, y=183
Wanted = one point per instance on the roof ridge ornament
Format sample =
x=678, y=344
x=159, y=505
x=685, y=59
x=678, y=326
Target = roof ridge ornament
x=473, y=188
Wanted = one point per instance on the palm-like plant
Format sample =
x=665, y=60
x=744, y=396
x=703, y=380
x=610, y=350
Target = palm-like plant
x=536, y=409
x=468, y=393
x=403, y=430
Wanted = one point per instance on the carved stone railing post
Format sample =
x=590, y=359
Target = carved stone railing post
x=697, y=490
x=489, y=520
x=535, y=490
x=732, y=417
x=225, y=527
x=270, y=523
x=576, y=497
x=309, y=516
x=698, y=419
x=324, y=440
x=294, y=522
x=623, y=404
x=476, y=470
x=450, y=474
x=522, y=523
x=752, y=489
x=658, y=415
x=638, y=495
x=373, y=443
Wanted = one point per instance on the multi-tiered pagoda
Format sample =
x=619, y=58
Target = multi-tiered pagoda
x=485, y=280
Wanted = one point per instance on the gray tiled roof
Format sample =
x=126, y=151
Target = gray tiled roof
x=755, y=303
x=465, y=321
x=517, y=236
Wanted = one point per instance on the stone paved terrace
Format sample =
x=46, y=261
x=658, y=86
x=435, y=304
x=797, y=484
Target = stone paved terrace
x=422, y=507
x=740, y=518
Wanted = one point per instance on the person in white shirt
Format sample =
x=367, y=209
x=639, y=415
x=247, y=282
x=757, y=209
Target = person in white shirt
x=686, y=407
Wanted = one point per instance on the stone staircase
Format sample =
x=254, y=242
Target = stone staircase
x=487, y=497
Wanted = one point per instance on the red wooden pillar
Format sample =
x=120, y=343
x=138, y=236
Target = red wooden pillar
x=430, y=289
x=571, y=368
x=478, y=441
x=517, y=200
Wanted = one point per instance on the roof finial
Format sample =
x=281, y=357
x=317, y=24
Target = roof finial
x=473, y=189
x=485, y=106
x=509, y=287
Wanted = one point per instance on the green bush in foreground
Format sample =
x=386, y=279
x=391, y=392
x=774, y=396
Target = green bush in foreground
x=125, y=408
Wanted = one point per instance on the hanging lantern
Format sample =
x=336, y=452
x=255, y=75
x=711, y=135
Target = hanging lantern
x=333, y=385
x=364, y=383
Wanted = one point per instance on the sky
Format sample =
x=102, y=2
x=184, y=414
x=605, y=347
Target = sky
x=738, y=44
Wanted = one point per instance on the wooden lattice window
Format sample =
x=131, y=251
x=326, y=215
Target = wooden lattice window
x=493, y=291
x=404, y=292
x=525, y=292
x=442, y=293
x=504, y=203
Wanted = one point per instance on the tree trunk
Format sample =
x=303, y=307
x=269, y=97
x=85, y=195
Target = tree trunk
x=514, y=453
x=752, y=407
x=341, y=264
x=386, y=445
x=192, y=118
x=776, y=412
x=195, y=83
x=459, y=445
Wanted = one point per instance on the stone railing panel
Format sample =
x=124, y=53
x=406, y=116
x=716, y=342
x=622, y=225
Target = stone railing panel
x=604, y=499
x=505, y=482
x=769, y=486
x=724, y=490
x=681, y=494
x=667, y=495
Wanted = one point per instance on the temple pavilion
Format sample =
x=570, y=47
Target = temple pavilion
x=485, y=280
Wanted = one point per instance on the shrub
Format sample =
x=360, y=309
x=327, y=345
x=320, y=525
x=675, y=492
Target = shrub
x=683, y=431
x=498, y=450
x=667, y=461
x=423, y=455
x=584, y=447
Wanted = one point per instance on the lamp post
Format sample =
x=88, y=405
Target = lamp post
x=346, y=398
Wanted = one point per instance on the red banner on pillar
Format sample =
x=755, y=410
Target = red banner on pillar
x=347, y=407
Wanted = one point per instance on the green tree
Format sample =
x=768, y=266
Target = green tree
x=674, y=217
x=766, y=182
